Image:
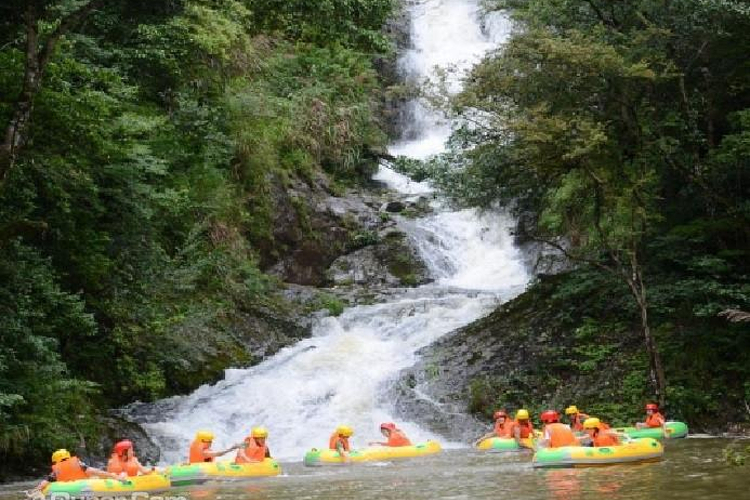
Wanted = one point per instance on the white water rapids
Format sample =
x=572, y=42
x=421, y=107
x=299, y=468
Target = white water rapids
x=340, y=375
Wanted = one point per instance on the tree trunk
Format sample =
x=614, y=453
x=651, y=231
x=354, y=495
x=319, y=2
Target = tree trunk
x=15, y=132
x=656, y=370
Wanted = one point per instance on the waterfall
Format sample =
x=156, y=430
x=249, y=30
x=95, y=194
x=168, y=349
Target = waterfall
x=340, y=375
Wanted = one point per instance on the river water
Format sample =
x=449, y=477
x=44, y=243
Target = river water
x=341, y=374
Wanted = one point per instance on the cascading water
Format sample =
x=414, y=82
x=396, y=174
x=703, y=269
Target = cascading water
x=340, y=375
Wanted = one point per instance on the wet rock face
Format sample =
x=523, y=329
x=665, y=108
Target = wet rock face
x=521, y=355
x=116, y=428
x=389, y=261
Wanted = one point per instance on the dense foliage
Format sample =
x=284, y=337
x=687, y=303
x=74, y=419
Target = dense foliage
x=620, y=131
x=138, y=196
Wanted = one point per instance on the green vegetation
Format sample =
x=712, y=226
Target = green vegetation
x=143, y=141
x=621, y=131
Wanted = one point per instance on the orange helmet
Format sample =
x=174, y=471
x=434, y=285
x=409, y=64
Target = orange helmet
x=498, y=414
x=122, y=446
x=550, y=417
x=652, y=406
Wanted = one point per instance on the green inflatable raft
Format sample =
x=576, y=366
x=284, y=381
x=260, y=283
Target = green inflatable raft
x=674, y=430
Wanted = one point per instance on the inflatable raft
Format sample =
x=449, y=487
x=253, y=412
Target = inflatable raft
x=109, y=487
x=501, y=445
x=316, y=457
x=674, y=430
x=636, y=451
x=183, y=475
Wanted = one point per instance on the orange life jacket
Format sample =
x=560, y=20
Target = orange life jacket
x=117, y=465
x=656, y=419
x=527, y=429
x=603, y=438
x=577, y=423
x=398, y=438
x=335, y=439
x=560, y=435
x=504, y=430
x=253, y=452
x=196, y=452
x=69, y=470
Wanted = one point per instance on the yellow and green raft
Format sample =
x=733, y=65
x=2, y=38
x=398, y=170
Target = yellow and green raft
x=317, y=457
x=185, y=475
x=636, y=451
x=674, y=430
x=501, y=445
x=109, y=487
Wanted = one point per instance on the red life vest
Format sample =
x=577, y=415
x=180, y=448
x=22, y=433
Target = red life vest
x=559, y=435
x=253, y=452
x=117, y=465
x=196, y=452
x=504, y=430
x=335, y=439
x=656, y=419
x=398, y=438
x=527, y=430
x=69, y=470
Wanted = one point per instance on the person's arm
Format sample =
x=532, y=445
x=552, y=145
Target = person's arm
x=486, y=436
x=103, y=473
x=341, y=450
x=215, y=454
x=241, y=454
x=268, y=452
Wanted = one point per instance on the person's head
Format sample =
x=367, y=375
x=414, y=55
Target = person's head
x=205, y=437
x=522, y=415
x=60, y=455
x=344, y=431
x=124, y=449
x=550, y=417
x=571, y=411
x=259, y=434
x=651, y=408
x=387, y=428
x=500, y=416
x=592, y=425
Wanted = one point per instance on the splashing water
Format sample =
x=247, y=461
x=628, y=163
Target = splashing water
x=341, y=374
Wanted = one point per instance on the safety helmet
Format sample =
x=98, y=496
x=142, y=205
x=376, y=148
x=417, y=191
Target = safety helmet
x=123, y=445
x=522, y=415
x=259, y=432
x=60, y=455
x=388, y=425
x=571, y=410
x=652, y=406
x=204, y=436
x=345, y=430
x=550, y=416
x=498, y=414
x=591, y=423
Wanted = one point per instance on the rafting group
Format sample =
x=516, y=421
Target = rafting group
x=584, y=441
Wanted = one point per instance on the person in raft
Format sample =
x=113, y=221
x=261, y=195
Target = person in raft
x=502, y=428
x=254, y=448
x=394, y=436
x=599, y=433
x=339, y=440
x=66, y=467
x=556, y=434
x=522, y=428
x=576, y=418
x=654, y=419
x=200, y=448
x=124, y=461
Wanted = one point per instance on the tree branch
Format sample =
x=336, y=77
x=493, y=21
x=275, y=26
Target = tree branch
x=66, y=24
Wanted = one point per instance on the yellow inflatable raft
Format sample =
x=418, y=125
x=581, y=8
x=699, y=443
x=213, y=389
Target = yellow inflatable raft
x=500, y=445
x=316, y=457
x=109, y=487
x=183, y=475
x=636, y=451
